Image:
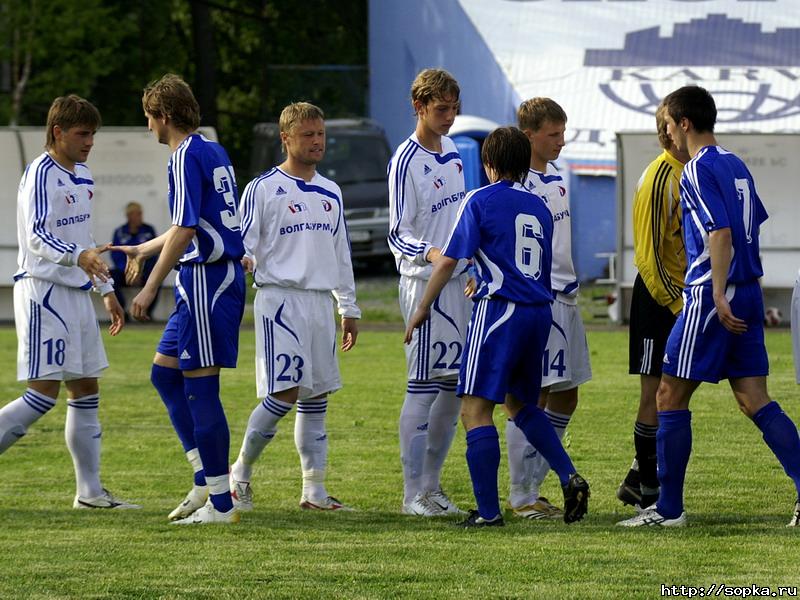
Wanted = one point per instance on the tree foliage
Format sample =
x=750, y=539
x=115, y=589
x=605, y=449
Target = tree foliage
x=266, y=54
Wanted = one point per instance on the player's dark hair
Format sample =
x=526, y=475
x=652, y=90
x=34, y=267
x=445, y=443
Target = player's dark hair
x=172, y=97
x=70, y=111
x=535, y=112
x=434, y=84
x=695, y=104
x=508, y=152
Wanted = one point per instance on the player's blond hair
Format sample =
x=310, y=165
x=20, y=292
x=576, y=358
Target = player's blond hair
x=172, y=97
x=661, y=127
x=296, y=113
x=434, y=84
x=70, y=111
x=535, y=112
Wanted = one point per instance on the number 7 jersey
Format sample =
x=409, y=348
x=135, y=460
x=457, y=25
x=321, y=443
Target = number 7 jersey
x=203, y=195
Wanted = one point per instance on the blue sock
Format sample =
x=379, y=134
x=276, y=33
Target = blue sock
x=780, y=434
x=169, y=385
x=673, y=447
x=537, y=428
x=212, y=436
x=483, y=459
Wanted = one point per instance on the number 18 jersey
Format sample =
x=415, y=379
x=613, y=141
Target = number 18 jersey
x=509, y=233
x=203, y=195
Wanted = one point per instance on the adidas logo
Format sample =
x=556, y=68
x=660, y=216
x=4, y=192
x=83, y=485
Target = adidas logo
x=60, y=183
x=185, y=355
x=280, y=191
x=666, y=359
x=427, y=170
x=423, y=427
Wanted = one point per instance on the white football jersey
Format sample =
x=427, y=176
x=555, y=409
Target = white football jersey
x=552, y=188
x=426, y=190
x=296, y=234
x=54, y=223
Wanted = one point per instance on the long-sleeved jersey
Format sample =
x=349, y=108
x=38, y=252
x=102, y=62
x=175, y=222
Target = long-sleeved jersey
x=426, y=190
x=295, y=233
x=657, y=237
x=551, y=187
x=54, y=223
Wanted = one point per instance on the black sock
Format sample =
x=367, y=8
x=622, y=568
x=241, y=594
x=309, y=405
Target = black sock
x=644, y=440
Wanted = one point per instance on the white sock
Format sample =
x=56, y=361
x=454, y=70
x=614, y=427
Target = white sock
x=414, y=416
x=311, y=441
x=541, y=467
x=82, y=432
x=521, y=457
x=193, y=456
x=19, y=414
x=442, y=425
x=261, y=428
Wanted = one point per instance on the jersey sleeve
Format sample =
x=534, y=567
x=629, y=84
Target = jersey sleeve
x=345, y=294
x=465, y=237
x=402, y=213
x=250, y=209
x=36, y=196
x=708, y=196
x=187, y=180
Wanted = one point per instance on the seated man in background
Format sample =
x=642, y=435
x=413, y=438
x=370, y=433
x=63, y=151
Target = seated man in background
x=131, y=233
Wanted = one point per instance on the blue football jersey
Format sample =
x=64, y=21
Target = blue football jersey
x=717, y=191
x=509, y=233
x=203, y=195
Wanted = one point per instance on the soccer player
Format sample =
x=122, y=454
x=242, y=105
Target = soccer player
x=656, y=301
x=509, y=234
x=202, y=333
x=295, y=238
x=720, y=332
x=565, y=363
x=426, y=189
x=59, y=264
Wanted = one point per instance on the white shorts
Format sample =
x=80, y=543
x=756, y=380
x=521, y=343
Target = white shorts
x=794, y=320
x=436, y=347
x=295, y=342
x=57, y=332
x=565, y=364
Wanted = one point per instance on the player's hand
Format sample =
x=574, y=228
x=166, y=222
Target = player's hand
x=95, y=267
x=727, y=318
x=115, y=312
x=141, y=303
x=433, y=254
x=417, y=319
x=247, y=264
x=471, y=287
x=134, y=267
x=349, y=333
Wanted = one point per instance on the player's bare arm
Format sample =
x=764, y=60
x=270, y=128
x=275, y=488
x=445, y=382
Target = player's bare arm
x=442, y=272
x=721, y=251
x=176, y=239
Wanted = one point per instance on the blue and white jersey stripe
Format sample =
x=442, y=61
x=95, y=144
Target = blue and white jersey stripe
x=425, y=191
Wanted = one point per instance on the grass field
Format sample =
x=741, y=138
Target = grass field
x=737, y=496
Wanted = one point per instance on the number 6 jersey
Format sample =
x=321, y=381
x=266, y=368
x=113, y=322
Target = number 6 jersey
x=203, y=195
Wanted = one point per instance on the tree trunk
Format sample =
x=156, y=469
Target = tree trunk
x=205, y=85
x=20, y=74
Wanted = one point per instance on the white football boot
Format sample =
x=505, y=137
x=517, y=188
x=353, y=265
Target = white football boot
x=104, y=500
x=194, y=501
x=208, y=514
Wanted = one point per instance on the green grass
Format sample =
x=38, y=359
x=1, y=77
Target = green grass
x=737, y=496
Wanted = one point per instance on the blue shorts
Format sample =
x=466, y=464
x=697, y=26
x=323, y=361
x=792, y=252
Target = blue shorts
x=203, y=330
x=504, y=348
x=699, y=348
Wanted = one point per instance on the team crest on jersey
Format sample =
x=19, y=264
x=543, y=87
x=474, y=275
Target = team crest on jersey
x=326, y=205
x=71, y=198
x=426, y=170
x=297, y=207
x=460, y=167
x=280, y=191
x=439, y=182
x=562, y=190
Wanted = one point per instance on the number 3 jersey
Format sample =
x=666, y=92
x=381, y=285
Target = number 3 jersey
x=203, y=195
x=54, y=223
x=509, y=234
x=717, y=191
x=296, y=234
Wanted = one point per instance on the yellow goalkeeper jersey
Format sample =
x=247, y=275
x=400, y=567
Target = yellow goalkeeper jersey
x=657, y=237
